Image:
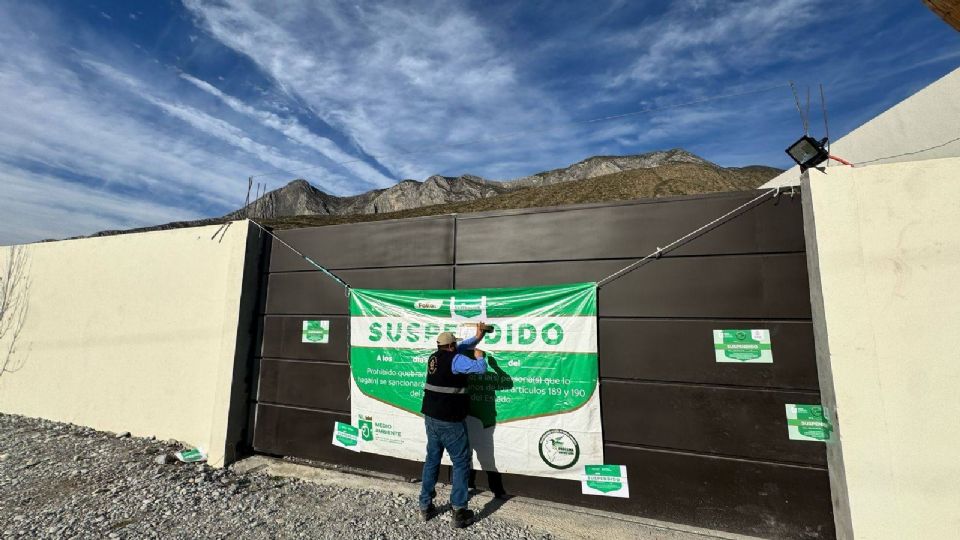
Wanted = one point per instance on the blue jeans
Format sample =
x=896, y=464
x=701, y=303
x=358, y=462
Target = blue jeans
x=452, y=437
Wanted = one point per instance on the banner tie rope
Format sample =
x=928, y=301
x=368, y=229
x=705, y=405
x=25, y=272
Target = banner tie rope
x=656, y=254
x=308, y=259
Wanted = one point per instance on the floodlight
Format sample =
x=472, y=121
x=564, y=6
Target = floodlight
x=808, y=152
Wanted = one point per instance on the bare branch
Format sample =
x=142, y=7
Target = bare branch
x=14, y=306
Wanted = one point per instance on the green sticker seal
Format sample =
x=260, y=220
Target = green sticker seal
x=808, y=423
x=315, y=332
x=742, y=346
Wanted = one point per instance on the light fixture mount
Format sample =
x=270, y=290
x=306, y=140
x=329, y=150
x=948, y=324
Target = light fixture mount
x=808, y=152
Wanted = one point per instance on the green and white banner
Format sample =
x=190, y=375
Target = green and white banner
x=537, y=409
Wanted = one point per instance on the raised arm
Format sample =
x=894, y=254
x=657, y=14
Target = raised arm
x=472, y=341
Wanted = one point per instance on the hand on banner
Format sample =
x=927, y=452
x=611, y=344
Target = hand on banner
x=482, y=329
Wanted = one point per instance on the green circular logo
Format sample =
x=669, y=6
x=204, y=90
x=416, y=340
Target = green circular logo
x=559, y=449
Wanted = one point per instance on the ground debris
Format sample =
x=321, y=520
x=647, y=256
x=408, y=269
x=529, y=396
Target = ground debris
x=132, y=487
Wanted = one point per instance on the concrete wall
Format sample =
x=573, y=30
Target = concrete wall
x=925, y=119
x=884, y=262
x=145, y=333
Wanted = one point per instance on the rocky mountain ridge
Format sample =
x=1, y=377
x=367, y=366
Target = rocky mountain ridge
x=299, y=197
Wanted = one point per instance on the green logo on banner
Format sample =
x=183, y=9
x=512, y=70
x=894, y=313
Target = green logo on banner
x=559, y=449
x=366, y=428
x=808, y=423
x=316, y=332
x=743, y=346
x=468, y=308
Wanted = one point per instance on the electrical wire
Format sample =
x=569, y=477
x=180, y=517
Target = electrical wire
x=907, y=153
x=796, y=100
x=661, y=250
x=840, y=160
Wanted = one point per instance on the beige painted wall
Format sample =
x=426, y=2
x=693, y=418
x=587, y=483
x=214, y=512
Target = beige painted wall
x=884, y=257
x=135, y=333
x=925, y=119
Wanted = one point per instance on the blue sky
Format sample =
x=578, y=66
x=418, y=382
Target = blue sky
x=120, y=114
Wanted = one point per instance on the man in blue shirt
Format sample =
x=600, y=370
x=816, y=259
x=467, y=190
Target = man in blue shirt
x=445, y=407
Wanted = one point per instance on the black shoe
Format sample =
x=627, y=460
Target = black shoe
x=462, y=518
x=427, y=513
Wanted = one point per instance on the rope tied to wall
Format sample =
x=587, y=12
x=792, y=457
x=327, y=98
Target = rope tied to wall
x=656, y=254
x=329, y=274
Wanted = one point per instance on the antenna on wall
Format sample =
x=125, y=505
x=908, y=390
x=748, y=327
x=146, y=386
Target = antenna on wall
x=796, y=100
x=806, y=151
x=826, y=123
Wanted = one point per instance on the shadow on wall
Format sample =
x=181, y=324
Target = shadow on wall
x=14, y=304
x=483, y=406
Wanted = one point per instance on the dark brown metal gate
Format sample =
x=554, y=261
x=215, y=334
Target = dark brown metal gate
x=705, y=443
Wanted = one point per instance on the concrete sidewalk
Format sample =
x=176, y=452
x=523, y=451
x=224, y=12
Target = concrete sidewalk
x=561, y=520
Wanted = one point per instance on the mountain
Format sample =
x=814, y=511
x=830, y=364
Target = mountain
x=299, y=198
x=671, y=179
x=603, y=165
x=596, y=179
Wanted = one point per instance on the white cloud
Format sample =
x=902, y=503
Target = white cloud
x=93, y=153
x=219, y=128
x=403, y=82
x=46, y=207
x=54, y=119
x=298, y=133
x=702, y=41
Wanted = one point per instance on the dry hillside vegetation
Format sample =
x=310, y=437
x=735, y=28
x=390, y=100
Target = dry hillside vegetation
x=664, y=181
x=593, y=180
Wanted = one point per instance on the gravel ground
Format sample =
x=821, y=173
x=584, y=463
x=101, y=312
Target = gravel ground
x=65, y=481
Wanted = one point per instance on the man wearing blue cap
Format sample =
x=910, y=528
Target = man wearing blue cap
x=445, y=407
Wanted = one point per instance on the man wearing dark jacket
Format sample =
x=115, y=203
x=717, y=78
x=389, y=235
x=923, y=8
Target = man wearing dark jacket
x=445, y=407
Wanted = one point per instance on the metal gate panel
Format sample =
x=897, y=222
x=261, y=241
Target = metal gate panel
x=734, y=422
x=770, y=500
x=704, y=443
x=304, y=433
x=671, y=350
x=313, y=385
x=282, y=338
x=314, y=293
x=418, y=242
x=749, y=286
x=629, y=230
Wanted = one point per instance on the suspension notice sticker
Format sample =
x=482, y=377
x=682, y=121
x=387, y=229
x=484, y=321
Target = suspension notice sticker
x=315, y=332
x=807, y=423
x=346, y=436
x=606, y=480
x=742, y=346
